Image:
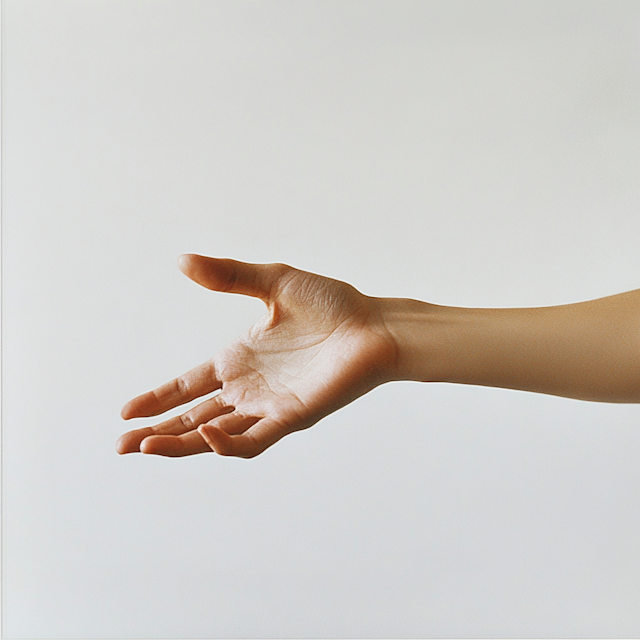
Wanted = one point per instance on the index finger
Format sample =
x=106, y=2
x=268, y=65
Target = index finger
x=189, y=386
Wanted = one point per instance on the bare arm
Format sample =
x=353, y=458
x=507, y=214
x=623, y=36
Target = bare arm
x=322, y=344
x=589, y=350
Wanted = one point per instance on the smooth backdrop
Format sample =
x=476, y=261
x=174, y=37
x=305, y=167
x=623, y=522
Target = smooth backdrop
x=477, y=153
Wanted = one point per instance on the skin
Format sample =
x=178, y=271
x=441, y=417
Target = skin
x=322, y=344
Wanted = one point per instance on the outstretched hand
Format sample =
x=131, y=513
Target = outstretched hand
x=321, y=345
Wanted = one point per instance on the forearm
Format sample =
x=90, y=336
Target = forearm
x=589, y=350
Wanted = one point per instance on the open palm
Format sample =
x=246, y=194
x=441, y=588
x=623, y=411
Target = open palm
x=321, y=345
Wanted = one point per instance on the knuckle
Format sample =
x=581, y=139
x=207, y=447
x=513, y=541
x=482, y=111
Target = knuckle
x=279, y=268
x=187, y=421
x=231, y=278
x=183, y=387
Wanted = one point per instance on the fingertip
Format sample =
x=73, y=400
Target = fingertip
x=121, y=445
x=146, y=445
x=184, y=260
x=140, y=407
x=203, y=430
x=188, y=262
x=125, y=414
x=211, y=436
x=161, y=445
x=130, y=409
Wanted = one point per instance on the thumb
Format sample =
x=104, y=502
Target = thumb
x=231, y=276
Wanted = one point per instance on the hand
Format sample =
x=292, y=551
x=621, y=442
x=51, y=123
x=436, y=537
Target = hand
x=321, y=345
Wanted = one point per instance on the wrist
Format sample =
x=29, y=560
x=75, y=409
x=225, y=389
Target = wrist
x=423, y=335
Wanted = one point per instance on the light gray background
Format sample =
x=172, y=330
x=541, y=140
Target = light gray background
x=464, y=153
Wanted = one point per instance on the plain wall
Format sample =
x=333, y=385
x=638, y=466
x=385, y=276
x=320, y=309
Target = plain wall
x=476, y=153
